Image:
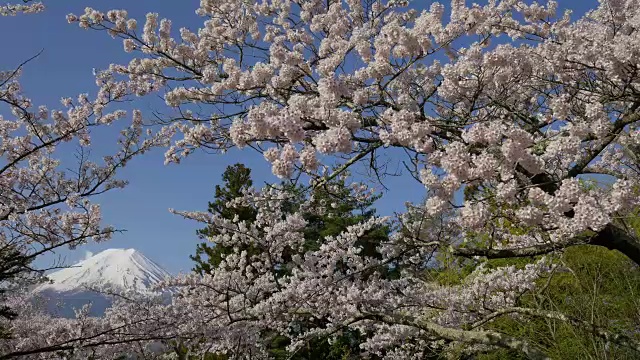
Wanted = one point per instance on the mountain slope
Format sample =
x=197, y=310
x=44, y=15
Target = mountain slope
x=112, y=269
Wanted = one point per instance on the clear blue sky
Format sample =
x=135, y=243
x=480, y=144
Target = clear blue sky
x=65, y=69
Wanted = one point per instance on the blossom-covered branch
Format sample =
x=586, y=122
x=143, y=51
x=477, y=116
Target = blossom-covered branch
x=28, y=7
x=45, y=201
x=310, y=78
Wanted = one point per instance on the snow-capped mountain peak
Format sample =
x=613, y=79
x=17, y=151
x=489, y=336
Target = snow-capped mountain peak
x=124, y=269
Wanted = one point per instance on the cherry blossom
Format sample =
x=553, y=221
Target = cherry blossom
x=520, y=121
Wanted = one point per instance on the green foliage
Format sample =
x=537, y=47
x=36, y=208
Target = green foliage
x=594, y=285
x=342, y=211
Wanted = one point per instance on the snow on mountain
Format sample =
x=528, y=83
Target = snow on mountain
x=112, y=269
x=121, y=268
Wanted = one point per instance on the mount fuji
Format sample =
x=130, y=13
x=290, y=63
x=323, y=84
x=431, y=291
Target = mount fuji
x=86, y=281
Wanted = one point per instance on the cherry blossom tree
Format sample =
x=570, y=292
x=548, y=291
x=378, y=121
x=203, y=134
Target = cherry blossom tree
x=505, y=97
x=522, y=124
x=45, y=202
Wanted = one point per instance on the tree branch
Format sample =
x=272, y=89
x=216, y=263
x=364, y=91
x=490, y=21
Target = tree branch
x=615, y=338
x=611, y=237
x=490, y=338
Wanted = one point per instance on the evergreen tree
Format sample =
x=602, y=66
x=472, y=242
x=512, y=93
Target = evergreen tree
x=341, y=210
x=237, y=179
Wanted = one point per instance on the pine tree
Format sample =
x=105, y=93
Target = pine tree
x=342, y=209
x=237, y=179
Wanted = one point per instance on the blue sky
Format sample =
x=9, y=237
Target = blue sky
x=65, y=69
